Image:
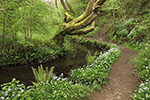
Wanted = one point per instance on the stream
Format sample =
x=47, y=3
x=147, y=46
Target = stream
x=73, y=59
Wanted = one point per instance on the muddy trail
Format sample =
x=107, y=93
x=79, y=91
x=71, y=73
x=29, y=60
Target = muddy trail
x=123, y=79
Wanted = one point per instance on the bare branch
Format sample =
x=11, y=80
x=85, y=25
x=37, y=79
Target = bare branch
x=64, y=5
x=69, y=6
x=68, y=17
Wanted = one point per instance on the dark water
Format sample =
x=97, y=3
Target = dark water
x=74, y=58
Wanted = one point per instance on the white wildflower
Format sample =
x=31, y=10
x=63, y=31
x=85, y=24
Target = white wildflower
x=9, y=89
x=6, y=93
x=142, y=84
x=140, y=90
x=147, y=96
x=2, y=98
x=18, y=95
x=22, y=84
x=146, y=88
x=135, y=95
x=147, y=70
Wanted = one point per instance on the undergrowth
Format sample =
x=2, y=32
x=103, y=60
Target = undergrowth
x=26, y=51
x=83, y=81
x=142, y=66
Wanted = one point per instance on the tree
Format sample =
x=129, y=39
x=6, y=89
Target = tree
x=29, y=18
x=24, y=16
x=75, y=26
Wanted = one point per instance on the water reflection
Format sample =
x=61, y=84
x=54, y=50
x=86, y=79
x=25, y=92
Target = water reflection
x=73, y=59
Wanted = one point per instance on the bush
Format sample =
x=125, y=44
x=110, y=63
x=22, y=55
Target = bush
x=143, y=68
x=22, y=52
x=98, y=71
x=55, y=90
x=83, y=81
x=122, y=33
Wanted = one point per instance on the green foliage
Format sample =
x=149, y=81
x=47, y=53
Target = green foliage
x=26, y=28
x=132, y=34
x=125, y=24
x=143, y=68
x=128, y=21
x=55, y=90
x=12, y=90
x=25, y=17
x=122, y=33
x=122, y=28
x=114, y=38
x=58, y=90
x=25, y=51
x=95, y=30
x=137, y=21
x=98, y=71
x=101, y=45
x=67, y=45
x=89, y=58
x=42, y=75
x=143, y=63
x=142, y=92
x=78, y=6
x=92, y=76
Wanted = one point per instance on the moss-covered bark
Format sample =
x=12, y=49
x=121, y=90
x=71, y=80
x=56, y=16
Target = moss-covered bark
x=75, y=26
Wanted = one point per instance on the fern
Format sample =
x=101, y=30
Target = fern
x=42, y=75
x=89, y=58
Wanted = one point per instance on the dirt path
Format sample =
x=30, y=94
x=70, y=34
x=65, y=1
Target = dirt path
x=123, y=79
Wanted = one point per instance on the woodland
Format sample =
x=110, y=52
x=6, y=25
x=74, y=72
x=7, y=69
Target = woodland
x=37, y=31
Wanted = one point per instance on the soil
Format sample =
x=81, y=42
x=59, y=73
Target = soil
x=123, y=78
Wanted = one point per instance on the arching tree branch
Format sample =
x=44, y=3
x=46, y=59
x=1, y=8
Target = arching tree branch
x=84, y=31
x=86, y=13
x=75, y=26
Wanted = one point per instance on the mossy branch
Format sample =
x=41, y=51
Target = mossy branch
x=84, y=31
x=75, y=26
x=86, y=13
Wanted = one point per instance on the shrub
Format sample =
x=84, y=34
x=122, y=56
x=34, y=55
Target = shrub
x=122, y=33
x=83, y=81
x=98, y=71
x=143, y=68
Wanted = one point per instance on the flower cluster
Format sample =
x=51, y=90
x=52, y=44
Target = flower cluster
x=55, y=90
x=143, y=69
x=12, y=90
x=83, y=81
x=143, y=91
x=98, y=71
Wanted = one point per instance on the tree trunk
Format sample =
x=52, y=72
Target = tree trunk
x=75, y=26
